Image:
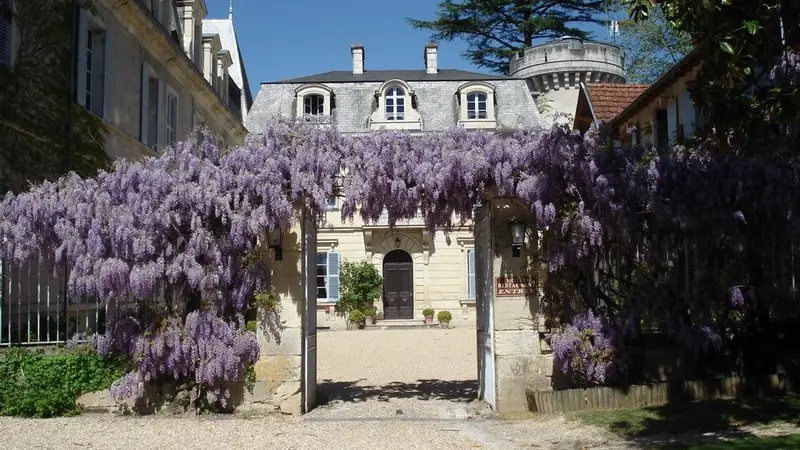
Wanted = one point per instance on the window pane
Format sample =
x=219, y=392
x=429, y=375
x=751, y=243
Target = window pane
x=322, y=260
x=401, y=101
x=389, y=101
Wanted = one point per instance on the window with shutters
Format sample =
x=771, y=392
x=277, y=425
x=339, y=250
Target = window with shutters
x=471, y=274
x=5, y=33
x=172, y=117
x=328, y=276
x=94, y=70
x=150, y=112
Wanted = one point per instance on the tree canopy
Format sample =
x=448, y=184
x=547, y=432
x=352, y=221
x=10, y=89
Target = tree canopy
x=748, y=85
x=651, y=46
x=496, y=29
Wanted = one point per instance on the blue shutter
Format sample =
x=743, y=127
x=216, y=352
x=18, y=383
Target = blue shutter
x=471, y=274
x=333, y=276
x=144, y=115
x=83, y=42
x=108, y=77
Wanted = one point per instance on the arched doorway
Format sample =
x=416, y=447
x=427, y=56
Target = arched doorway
x=398, y=285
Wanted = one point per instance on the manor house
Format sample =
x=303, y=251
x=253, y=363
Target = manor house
x=421, y=270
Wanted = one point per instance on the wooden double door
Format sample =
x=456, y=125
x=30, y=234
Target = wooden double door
x=398, y=285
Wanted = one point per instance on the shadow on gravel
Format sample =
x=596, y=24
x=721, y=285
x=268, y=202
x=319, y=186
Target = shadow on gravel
x=349, y=391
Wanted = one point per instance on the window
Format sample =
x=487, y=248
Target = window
x=5, y=32
x=314, y=105
x=476, y=105
x=172, y=117
x=395, y=103
x=151, y=113
x=94, y=71
x=471, y=287
x=328, y=276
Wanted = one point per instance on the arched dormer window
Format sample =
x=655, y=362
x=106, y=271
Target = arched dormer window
x=396, y=108
x=477, y=105
x=314, y=101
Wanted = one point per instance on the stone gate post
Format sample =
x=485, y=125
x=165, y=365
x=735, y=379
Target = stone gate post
x=518, y=347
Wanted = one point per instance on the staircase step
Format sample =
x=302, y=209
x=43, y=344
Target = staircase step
x=401, y=323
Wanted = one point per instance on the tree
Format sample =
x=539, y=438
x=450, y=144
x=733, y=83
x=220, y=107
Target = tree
x=360, y=284
x=496, y=29
x=651, y=47
x=40, y=123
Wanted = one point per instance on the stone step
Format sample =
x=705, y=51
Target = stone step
x=401, y=323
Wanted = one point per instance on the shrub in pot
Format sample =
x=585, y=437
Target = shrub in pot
x=428, y=314
x=357, y=318
x=444, y=318
x=370, y=314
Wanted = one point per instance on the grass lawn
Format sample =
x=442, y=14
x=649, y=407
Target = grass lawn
x=696, y=419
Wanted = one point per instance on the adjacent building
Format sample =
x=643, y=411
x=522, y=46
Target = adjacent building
x=660, y=115
x=151, y=71
x=421, y=270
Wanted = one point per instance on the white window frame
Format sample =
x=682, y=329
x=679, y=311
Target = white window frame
x=313, y=89
x=171, y=129
x=379, y=119
x=463, y=94
x=395, y=98
x=92, y=30
x=331, y=277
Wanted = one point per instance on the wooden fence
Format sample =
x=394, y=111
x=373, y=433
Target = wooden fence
x=636, y=396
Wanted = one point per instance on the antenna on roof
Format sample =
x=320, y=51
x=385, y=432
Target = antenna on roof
x=230, y=10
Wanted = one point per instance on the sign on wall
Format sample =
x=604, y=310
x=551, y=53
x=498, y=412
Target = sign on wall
x=512, y=286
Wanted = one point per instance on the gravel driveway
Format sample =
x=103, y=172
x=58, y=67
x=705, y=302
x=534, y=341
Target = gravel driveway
x=379, y=389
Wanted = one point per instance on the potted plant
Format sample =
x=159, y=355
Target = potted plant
x=444, y=318
x=370, y=314
x=357, y=317
x=428, y=314
x=360, y=284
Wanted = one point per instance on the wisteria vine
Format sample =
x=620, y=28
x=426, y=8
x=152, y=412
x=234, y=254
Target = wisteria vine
x=173, y=231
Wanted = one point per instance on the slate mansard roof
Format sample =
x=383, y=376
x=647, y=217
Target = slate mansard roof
x=436, y=98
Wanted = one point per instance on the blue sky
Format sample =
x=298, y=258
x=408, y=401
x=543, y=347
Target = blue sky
x=285, y=39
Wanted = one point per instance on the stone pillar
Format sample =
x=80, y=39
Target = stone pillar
x=279, y=368
x=519, y=362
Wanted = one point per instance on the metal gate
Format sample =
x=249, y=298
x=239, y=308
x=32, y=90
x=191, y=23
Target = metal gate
x=309, y=266
x=484, y=276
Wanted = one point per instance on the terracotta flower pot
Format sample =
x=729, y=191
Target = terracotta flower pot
x=369, y=319
x=444, y=323
x=428, y=320
x=362, y=324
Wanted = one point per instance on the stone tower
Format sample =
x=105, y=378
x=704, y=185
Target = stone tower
x=555, y=70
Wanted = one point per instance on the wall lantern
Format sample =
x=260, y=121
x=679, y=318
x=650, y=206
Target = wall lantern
x=518, y=230
x=275, y=242
x=397, y=242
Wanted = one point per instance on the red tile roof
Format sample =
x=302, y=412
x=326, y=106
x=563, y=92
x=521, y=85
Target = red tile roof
x=610, y=99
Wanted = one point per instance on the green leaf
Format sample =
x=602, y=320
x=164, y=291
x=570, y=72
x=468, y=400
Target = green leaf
x=752, y=26
x=726, y=47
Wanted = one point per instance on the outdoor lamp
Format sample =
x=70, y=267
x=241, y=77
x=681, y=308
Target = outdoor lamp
x=518, y=230
x=397, y=242
x=275, y=242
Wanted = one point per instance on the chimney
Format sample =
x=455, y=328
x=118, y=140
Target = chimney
x=357, y=50
x=431, y=53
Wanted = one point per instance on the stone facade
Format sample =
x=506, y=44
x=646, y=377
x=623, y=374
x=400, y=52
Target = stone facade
x=435, y=100
x=554, y=71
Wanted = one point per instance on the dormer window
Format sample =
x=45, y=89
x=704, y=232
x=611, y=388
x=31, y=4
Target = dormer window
x=476, y=106
x=314, y=104
x=395, y=104
x=314, y=101
x=396, y=109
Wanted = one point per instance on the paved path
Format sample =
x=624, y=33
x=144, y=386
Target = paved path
x=380, y=389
